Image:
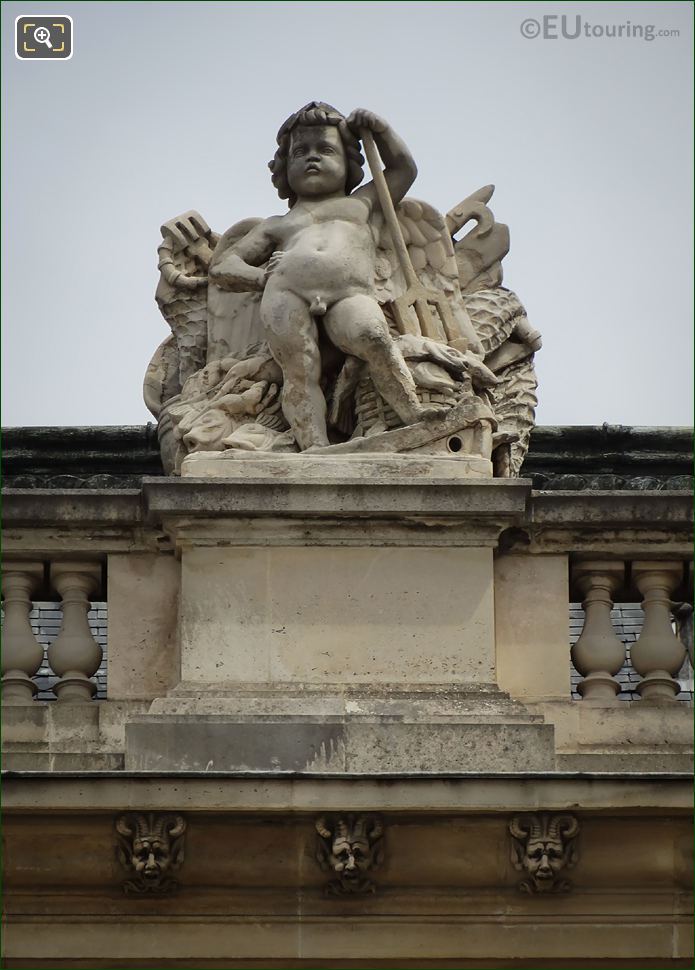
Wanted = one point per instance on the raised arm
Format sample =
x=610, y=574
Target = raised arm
x=237, y=268
x=400, y=169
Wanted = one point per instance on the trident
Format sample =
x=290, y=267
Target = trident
x=416, y=295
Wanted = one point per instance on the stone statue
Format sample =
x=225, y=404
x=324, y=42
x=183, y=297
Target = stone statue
x=353, y=323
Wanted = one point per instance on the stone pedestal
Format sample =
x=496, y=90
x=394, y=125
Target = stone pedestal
x=337, y=615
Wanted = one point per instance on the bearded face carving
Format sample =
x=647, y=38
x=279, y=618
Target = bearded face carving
x=150, y=846
x=351, y=846
x=542, y=846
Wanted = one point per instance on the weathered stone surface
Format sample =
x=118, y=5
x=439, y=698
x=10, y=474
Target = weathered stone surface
x=425, y=702
x=66, y=737
x=477, y=793
x=144, y=650
x=531, y=625
x=490, y=500
x=402, y=469
x=324, y=745
x=336, y=615
x=592, y=737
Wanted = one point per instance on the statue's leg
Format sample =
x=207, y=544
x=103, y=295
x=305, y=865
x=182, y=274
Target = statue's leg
x=357, y=326
x=293, y=339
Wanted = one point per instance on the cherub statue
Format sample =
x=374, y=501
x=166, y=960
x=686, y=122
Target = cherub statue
x=320, y=264
x=340, y=326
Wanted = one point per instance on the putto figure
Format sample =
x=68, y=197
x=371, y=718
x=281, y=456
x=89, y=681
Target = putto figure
x=320, y=264
x=543, y=846
x=355, y=322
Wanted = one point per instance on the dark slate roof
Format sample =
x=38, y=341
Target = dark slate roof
x=610, y=457
x=572, y=458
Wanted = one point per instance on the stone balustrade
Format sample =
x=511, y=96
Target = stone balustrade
x=74, y=656
x=658, y=653
x=598, y=655
x=22, y=653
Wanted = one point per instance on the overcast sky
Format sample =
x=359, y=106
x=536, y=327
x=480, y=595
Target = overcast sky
x=171, y=106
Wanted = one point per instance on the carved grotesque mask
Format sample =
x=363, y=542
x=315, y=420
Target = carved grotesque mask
x=543, y=860
x=350, y=859
x=151, y=858
x=151, y=847
x=542, y=846
x=350, y=846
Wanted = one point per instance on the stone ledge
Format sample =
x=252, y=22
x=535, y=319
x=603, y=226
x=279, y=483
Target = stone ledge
x=214, y=498
x=624, y=525
x=636, y=509
x=665, y=760
x=264, y=496
x=397, y=469
x=165, y=742
x=71, y=507
x=277, y=791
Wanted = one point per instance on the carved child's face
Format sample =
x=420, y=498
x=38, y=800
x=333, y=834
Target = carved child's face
x=316, y=163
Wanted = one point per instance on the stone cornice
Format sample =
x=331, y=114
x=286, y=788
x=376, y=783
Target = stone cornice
x=620, y=523
x=252, y=791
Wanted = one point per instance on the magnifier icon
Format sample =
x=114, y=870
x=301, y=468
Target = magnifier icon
x=42, y=35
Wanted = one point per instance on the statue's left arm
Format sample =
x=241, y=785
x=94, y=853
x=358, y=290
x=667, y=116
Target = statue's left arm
x=400, y=170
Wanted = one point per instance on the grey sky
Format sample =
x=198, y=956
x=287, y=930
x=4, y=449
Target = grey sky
x=171, y=106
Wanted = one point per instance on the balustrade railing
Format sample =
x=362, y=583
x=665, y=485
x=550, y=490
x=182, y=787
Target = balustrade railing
x=598, y=654
x=661, y=641
x=21, y=652
x=658, y=653
x=74, y=656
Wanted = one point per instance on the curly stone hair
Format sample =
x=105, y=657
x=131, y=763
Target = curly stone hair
x=315, y=113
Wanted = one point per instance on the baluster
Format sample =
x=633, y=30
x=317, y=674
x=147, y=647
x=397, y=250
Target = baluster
x=75, y=655
x=658, y=654
x=21, y=652
x=687, y=633
x=598, y=654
